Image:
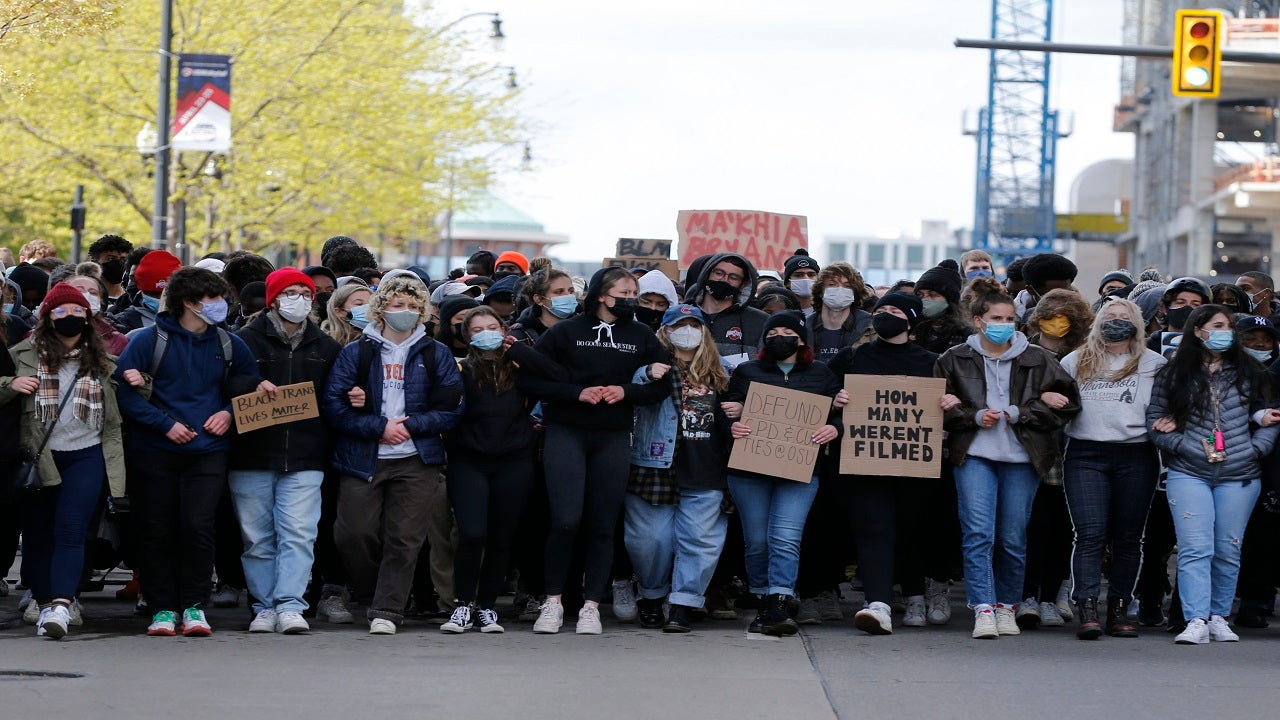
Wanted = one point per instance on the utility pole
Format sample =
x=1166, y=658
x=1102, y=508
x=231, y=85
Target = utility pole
x=163, y=146
x=77, y=224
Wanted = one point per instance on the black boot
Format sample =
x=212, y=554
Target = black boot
x=757, y=625
x=650, y=613
x=777, y=618
x=1118, y=624
x=1090, y=627
x=678, y=620
x=1151, y=611
x=1250, y=615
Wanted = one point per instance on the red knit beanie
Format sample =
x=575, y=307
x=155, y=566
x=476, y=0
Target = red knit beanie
x=61, y=294
x=153, y=271
x=283, y=278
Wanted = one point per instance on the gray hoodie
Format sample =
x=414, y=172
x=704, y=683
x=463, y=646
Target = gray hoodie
x=998, y=443
x=393, y=359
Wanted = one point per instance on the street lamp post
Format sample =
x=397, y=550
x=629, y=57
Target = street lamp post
x=163, y=150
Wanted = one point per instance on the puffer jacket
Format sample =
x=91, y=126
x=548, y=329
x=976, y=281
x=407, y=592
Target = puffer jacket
x=1246, y=443
x=1034, y=372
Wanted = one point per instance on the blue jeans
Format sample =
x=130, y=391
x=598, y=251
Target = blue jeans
x=995, y=501
x=1210, y=518
x=675, y=548
x=55, y=521
x=773, y=514
x=278, y=515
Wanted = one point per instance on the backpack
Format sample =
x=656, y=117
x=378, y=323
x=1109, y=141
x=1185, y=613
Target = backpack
x=162, y=346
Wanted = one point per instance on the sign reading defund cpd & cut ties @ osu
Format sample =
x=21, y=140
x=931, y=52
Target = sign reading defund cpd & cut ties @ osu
x=892, y=426
x=782, y=426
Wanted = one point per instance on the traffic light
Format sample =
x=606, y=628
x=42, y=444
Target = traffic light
x=1197, y=53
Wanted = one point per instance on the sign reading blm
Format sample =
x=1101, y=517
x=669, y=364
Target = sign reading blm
x=782, y=426
x=893, y=426
x=291, y=404
x=766, y=239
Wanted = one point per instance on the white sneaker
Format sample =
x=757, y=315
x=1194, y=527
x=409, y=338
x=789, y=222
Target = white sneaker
x=333, y=608
x=1050, y=615
x=550, y=617
x=44, y=615
x=829, y=606
x=810, y=613
x=915, y=615
x=1197, y=633
x=624, y=601
x=225, y=597
x=875, y=619
x=938, y=602
x=31, y=613
x=1063, y=601
x=263, y=622
x=291, y=622
x=488, y=621
x=1005, y=622
x=589, y=620
x=54, y=622
x=1028, y=614
x=1220, y=631
x=984, y=625
x=459, y=621
x=77, y=613
x=381, y=626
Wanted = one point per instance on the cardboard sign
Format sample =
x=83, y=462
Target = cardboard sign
x=293, y=403
x=766, y=239
x=666, y=267
x=892, y=426
x=782, y=426
x=637, y=248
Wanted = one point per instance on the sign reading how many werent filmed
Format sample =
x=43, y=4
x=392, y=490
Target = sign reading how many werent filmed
x=892, y=426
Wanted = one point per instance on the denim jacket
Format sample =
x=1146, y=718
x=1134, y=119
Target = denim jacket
x=653, y=439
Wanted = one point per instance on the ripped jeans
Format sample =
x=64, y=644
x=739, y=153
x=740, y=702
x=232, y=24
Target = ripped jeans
x=1210, y=518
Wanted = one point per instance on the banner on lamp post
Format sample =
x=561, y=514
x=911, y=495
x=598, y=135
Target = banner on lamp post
x=202, y=118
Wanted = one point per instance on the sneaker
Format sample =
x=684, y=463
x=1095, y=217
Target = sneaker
x=810, y=612
x=1063, y=601
x=829, y=606
x=984, y=624
x=225, y=596
x=1219, y=630
x=1197, y=633
x=915, y=615
x=291, y=622
x=77, y=613
x=938, y=602
x=532, y=609
x=679, y=619
x=333, y=608
x=263, y=622
x=487, y=619
x=589, y=620
x=1051, y=615
x=163, y=623
x=4, y=588
x=140, y=608
x=459, y=621
x=898, y=603
x=44, y=615
x=130, y=590
x=550, y=617
x=1028, y=615
x=194, y=623
x=1250, y=616
x=1005, y=622
x=54, y=622
x=381, y=626
x=31, y=613
x=624, y=600
x=717, y=605
x=874, y=619
x=25, y=600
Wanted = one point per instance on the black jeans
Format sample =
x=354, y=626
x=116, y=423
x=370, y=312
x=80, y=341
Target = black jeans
x=1048, y=544
x=488, y=494
x=228, y=544
x=1257, y=583
x=181, y=494
x=587, y=473
x=824, y=547
x=1109, y=488
x=885, y=515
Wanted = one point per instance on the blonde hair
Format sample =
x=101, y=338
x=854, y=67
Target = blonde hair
x=705, y=369
x=1091, y=360
x=337, y=322
x=410, y=287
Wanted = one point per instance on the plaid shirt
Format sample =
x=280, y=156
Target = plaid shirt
x=656, y=486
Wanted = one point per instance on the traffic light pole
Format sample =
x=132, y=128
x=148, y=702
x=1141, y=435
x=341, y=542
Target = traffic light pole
x=1147, y=51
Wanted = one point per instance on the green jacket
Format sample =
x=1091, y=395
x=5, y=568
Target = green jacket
x=27, y=361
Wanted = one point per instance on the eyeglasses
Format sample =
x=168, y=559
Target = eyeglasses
x=61, y=312
x=293, y=294
x=718, y=274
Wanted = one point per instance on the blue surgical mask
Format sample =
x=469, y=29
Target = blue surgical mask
x=10, y=308
x=1220, y=340
x=358, y=318
x=978, y=273
x=487, y=340
x=213, y=311
x=563, y=306
x=150, y=303
x=999, y=333
x=1262, y=356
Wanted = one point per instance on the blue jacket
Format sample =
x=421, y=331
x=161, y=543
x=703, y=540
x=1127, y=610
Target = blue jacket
x=653, y=439
x=188, y=387
x=433, y=403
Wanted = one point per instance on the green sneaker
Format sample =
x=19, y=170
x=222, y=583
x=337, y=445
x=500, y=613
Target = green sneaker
x=194, y=624
x=164, y=622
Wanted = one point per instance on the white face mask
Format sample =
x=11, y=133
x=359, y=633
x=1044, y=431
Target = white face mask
x=296, y=309
x=837, y=298
x=802, y=287
x=94, y=303
x=687, y=337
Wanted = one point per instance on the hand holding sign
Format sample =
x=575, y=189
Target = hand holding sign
x=894, y=426
x=780, y=432
x=273, y=405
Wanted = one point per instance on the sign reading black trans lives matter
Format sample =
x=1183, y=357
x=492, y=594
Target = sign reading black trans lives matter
x=892, y=426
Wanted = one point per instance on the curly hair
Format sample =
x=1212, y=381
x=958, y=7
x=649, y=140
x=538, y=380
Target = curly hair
x=409, y=287
x=845, y=271
x=986, y=292
x=1070, y=305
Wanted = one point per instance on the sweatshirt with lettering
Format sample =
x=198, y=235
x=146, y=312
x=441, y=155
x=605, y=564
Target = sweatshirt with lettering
x=1114, y=410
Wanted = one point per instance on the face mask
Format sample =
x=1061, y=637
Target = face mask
x=322, y=305
x=1177, y=317
x=359, y=318
x=649, y=316
x=934, y=308
x=487, y=340
x=1056, y=326
x=69, y=326
x=976, y=273
x=113, y=271
x=781, y=347
x=889, y=326
x=94, y=303
x=1253, y=300
x=623, y=309
x=213, y=311
x=430, y=328
x=150, y=303
x=685, y=337
x=401, y=320
x=563, y=306
x=1220, y=340
x=10, y=308
x=837, y=298
x=506, y=273
x=1262, y=356
x=1118, y=330
x=802, y=288
x=721, y=290
x=295, y=310
x=998, y=333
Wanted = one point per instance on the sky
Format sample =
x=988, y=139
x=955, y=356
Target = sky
x=847, y=112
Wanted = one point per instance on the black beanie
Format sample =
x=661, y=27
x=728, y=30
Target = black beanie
x=910, y=305
x=791, y=319
x=943, y=279
x=799, y=260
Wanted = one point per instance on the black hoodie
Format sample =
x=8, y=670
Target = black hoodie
x=595, y=353
x=738, y=329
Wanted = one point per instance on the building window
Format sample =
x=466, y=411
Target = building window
x=876, y=254
x=838, y=251
x=915, y=257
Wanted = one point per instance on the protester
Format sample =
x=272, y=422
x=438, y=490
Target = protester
x=150, y=277
x=95, y=292
x=838, y=321
x=798, y=275
x=111, y=252
x=723, y=290
x=348, y=313
x=657, y=295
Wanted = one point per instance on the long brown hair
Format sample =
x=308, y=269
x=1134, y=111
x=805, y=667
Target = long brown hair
x=705, y=369
x=496, y=373
x=94, y=358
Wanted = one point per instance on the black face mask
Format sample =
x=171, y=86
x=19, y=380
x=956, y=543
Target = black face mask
x=70, y=326
x=506, y=273
x=1177, y=317
x=781, y=347
x=1118, y=330
x=650, y=317
x=430, y=327
x=721, y=290
x=113, y=271
x=624, y=309
x=321, y=305
x=889, y=326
